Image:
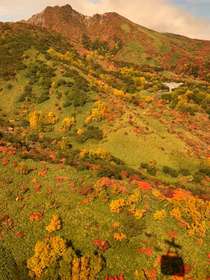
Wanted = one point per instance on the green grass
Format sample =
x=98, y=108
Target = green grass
x=84, y=223
x=158, y=143
x=134, y=149
x=132, y=52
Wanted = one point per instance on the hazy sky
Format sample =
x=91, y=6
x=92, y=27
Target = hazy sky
x=187, y=17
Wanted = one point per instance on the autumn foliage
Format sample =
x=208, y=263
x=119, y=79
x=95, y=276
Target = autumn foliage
x=55, y=224
x=116, y=277
x=45, y=253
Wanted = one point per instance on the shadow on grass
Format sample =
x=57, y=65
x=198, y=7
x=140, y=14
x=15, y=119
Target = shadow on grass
x=172, y=263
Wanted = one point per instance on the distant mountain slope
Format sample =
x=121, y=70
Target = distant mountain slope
x=15, y=38
x=127, y=41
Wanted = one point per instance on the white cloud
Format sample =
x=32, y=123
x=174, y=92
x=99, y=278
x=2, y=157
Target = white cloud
x=160, y=15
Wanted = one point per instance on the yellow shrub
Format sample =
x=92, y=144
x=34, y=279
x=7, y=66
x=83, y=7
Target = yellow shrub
x=65, y=57
x=148, y=99
x=95, y=153
x=197, y=210
x=140, y=82
x=51, y=118
x=22, y=168
x=75, y=268
x=97, y=113
x=157, y=193
x=83, y=153
x=119, y=236
x=67, y=123
x=45, y=253
x=80, y=131
x=193, y=212
x=176, y=213
x=63, y=143
x=100, y=153
x=102, y=86
x=125, y=71
x=117, y=205
x=134, y=198
x=159, y=215
x=137, y=213
x=115, y=224
x=34, y=119
x=55, y=224
x=118, y=93
x=85, y=268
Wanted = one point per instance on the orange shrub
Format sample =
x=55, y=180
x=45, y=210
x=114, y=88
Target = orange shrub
x=55, y=224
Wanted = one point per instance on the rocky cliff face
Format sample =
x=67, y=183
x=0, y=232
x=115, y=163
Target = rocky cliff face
x=73, y=25
x=63, y=20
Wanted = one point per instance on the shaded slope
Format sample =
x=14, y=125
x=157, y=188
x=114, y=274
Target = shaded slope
x=18, y=37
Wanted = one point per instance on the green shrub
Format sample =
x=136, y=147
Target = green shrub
x=8, y=267
x=189, y=108
x=198, y=97
x=197, y=177
x=205, y=171
x=109, y=171
x=86, y=41
x=144, y=165
x=43, y=97
x=91, y=132
x=166, y=96
x=24, y=123
x=151, y=169
x=75, y=97
x=27, y=93
x=60, y=82
x=184, y=172
x=100, y=46
x=170, y=171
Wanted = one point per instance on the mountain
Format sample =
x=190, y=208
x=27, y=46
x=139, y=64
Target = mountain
x=104, y=172
x=126, y=41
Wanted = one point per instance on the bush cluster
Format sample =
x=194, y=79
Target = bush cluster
x=16, y=39
x=151, y=169
x=91, y=132
x=170, y=171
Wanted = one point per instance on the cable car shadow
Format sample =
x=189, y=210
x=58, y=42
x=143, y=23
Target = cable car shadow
x=172, y=263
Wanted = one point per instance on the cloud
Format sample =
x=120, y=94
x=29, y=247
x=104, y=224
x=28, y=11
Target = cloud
x=161, y=15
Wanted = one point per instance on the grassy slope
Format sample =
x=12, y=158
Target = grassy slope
x=87, y=221
x=95, y=222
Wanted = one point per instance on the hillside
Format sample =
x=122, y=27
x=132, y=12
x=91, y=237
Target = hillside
x=102, y=169
x=123, y=40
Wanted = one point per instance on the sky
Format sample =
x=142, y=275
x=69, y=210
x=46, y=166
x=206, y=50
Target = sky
x=186, y=17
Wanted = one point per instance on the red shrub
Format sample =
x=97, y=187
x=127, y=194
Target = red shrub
x=147, y=251
x=35, y=216
x=103, y=245
x=120, y=277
